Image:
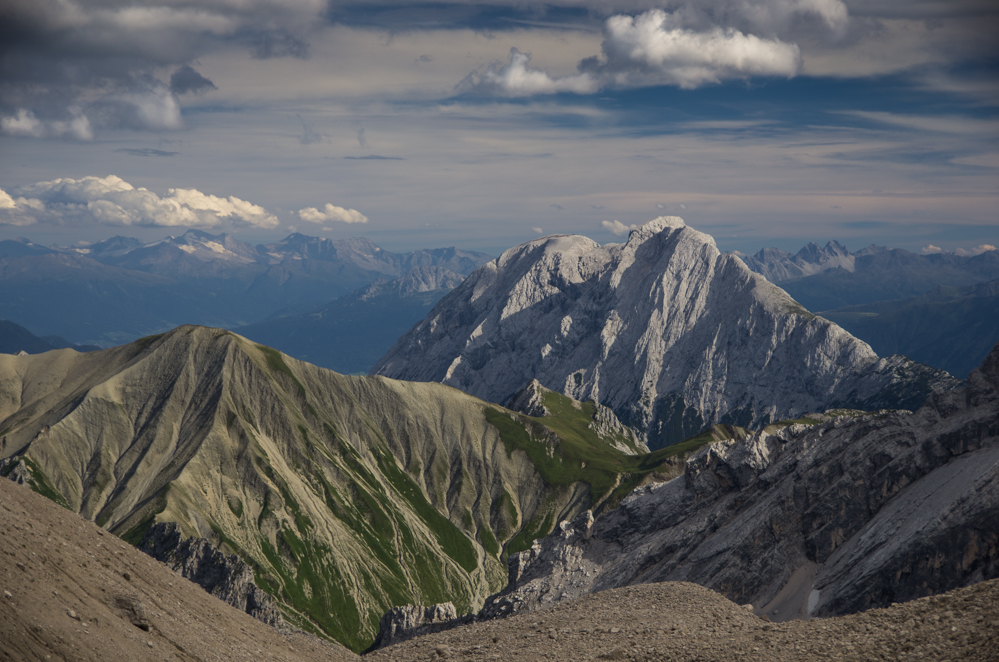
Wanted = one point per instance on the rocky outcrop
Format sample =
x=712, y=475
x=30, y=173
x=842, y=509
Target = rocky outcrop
x=665, y=330
x=857, y=512
x=223, y=575
x=402, y=623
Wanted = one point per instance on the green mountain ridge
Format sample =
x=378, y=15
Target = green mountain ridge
x=346, y=495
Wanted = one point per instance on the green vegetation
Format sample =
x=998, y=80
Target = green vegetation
x=537, y=528
x=41, y=484
x=565, y=450
x=454, y=543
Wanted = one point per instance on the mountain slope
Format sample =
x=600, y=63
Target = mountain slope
x=951, y=328
x=71, y=592
x=345, y=495
x=665, y=330
x=351, y=333
x=848, y=515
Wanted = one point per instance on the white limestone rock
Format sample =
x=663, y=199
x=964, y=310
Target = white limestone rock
x=666, y=330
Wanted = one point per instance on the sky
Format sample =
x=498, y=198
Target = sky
x=486, y=124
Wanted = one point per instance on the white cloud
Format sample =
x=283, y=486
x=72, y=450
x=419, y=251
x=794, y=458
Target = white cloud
x=617, y=227
x=516, y=79
x=655, y=45
x=931, y=249
x=112, y=201
x=331, y=213
x=977, y=250
x=538, y=230
x=25, y=124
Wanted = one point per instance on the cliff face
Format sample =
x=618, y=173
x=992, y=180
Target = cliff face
x=665, y=330
x=343, y=496
x=850, y=514
x=223, y=575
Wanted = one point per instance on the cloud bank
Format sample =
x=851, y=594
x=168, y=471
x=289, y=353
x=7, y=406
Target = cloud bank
x=68, y=67
x=691, y=46
x=112, y=201
x=331, y=213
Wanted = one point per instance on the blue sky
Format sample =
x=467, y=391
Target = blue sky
x=481, y=125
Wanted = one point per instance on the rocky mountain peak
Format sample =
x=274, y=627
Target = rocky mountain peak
x=666, y=330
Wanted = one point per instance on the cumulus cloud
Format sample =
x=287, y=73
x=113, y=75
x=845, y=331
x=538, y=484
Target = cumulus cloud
x=692, y=45
x=538, y=230
x=112, y=201
x=517, y=79
x=656, y=46
x=931, y=249
x=977, y=250
x=331, y=213
x=617, y=227
x=24, y=123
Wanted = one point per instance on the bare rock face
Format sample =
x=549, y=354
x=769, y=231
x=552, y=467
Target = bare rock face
x=408, y=621
x=665, y=330
x=854, y=513
x=223, y=575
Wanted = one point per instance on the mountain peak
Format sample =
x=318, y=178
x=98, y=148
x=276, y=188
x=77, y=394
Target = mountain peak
x=665, y=330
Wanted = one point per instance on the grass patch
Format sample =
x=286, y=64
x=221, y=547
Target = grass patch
x=454, y=543
x=536, y=529
x=41, y=484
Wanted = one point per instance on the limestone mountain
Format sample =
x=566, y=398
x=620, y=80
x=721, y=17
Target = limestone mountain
x=344, y=496
x=667, y=331
x=849, y=514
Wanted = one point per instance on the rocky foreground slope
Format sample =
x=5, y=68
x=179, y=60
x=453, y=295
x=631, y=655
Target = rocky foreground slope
x=854, y=513
x=70, y=591
x=340, y=496
x=665, y=330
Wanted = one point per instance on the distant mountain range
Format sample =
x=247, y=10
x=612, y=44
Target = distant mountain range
x=829, y=277
x=952, y=328
x=666, y=330
x=15, y=339
x=351, y=333
x=936, y=309
x=120, y=289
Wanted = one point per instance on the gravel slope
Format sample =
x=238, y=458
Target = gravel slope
x=70, y=591
x=678, y=621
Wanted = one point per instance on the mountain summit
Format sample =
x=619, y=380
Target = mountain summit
x=665, y=329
